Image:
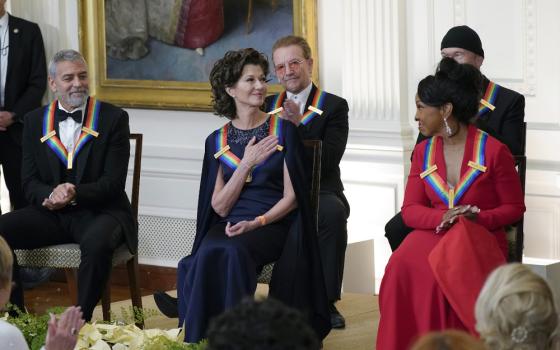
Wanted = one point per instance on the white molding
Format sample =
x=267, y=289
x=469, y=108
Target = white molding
x=167, y=212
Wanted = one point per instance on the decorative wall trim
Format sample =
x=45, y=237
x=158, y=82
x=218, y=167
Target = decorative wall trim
x=371, y=70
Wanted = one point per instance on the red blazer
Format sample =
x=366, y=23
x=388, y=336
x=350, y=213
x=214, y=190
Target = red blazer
x=497, y=192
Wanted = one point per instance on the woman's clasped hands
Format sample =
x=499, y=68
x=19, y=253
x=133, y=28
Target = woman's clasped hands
x=451, y=216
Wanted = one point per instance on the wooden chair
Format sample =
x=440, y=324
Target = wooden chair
x=67, y=256
x=313, y=153
x=516, y=236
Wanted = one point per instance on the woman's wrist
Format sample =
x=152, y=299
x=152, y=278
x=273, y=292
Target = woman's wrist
x=261, y=219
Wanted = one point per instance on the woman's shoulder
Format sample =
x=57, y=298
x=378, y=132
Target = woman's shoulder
x=11, y=336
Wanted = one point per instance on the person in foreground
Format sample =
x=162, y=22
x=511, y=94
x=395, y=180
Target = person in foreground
x=75, y=163
x=459, y=174
x=318, y=115
x=261, y=325
x=448, y=340
x=253, y=208
x=61, y=334
x=500, y=113
x=516, y=310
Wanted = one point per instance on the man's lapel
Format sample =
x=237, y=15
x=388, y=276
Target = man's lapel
x=81, y=160
x=310, y=97
x=14, y=52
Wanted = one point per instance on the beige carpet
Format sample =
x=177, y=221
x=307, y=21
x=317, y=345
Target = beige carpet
x=361, y=312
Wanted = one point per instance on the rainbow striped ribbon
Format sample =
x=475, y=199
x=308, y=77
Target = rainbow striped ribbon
x=314, y=109
x=487, y=103
x=224, y=153
x=89, y=130
x=452, y=196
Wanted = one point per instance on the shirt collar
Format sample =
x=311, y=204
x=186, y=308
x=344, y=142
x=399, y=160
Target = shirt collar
x=81, y=108
x=302, y=96
x=4, y=20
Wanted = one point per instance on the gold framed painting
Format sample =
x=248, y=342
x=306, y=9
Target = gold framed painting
x=158, y=53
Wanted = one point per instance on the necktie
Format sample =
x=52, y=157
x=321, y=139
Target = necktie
x=62, y=115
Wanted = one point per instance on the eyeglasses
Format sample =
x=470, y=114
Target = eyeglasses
x=294, y=64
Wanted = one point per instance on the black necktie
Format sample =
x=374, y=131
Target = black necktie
x=62, y=115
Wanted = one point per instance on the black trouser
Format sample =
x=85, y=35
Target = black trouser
x=332, y=236
x=98, y=234
x=10, y=158
x=396, y=231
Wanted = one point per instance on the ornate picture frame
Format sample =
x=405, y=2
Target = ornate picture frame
x=165, y=94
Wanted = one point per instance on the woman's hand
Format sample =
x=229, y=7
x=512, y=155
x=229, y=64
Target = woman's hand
x=241, y=227
x=451, y=216
x=257, y=153
x=62, y=334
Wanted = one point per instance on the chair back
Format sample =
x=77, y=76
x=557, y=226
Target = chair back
x=136, y=167
x=313, y=152
x=516, y=242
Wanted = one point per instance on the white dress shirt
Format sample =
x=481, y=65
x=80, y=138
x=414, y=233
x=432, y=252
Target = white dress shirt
x=69, y=130
x=301, y=97
x=4, y=50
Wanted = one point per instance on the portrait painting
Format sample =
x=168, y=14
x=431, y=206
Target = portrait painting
x=159, y=53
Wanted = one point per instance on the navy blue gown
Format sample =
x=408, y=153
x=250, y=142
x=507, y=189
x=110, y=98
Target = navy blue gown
x=222, y=270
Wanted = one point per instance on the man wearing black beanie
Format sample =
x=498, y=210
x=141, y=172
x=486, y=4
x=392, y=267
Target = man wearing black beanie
x=501, y=112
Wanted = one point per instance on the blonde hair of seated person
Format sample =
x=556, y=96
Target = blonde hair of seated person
x=448, y=340
x=516, y=310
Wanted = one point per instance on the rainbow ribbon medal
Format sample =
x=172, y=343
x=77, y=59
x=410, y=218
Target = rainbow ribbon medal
x=89, y=130
x=314, y=109
x=487, y=103
x=452, y=196
x=226, y=156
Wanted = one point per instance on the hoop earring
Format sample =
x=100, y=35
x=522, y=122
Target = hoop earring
x=448, y=130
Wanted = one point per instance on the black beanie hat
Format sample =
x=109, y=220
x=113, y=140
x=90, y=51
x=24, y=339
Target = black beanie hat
x=463, y=37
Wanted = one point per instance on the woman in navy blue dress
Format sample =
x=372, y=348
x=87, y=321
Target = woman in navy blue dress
x=253, y=207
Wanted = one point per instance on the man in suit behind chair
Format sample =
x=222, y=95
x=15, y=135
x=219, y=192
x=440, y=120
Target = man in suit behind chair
x=75, y=163
x=319, y=115
x=23, y=80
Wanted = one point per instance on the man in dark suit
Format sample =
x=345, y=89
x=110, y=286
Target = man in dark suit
x=23, y=80
x=319, y=115
x=75, y=163
x=501, y=112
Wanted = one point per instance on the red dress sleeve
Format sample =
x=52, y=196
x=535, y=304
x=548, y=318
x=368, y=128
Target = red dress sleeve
x=417, y=210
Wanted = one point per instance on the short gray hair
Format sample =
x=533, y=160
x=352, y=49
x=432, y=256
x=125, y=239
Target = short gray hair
x=62, y=56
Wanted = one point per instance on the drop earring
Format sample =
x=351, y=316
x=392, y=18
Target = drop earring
x=447, y=128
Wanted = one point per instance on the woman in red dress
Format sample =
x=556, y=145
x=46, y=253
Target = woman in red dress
x=460, y=171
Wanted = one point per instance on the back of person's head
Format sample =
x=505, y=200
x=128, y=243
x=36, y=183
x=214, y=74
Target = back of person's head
x=6, y=263
x=516, y=310
x=448, y=340
x=265, y=325
x=454, y=83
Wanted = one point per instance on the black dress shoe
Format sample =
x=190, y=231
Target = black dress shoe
x=337, y=320
x=166, y=304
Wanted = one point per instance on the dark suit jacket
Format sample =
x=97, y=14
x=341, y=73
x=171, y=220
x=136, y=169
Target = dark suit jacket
x=332, y=128
x=101, y=168
x=26, y=78
x=505, y=122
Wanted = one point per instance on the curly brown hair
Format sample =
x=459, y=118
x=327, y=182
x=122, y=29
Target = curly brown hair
x=226, y=72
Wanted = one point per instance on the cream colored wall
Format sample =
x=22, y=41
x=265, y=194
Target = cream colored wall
x=372, y=52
